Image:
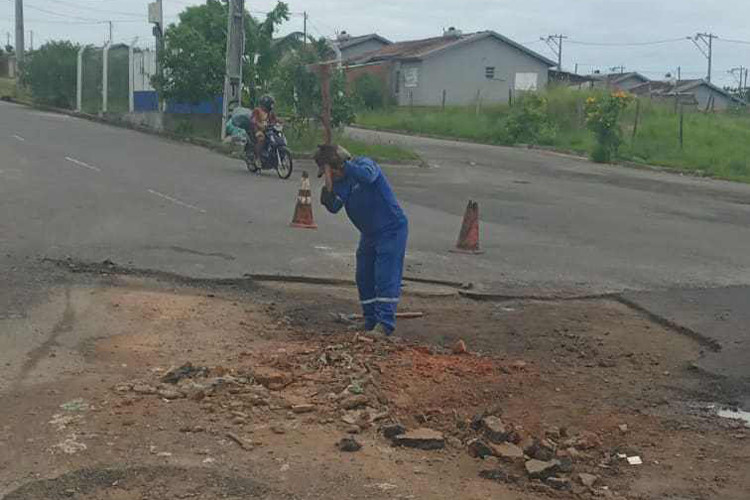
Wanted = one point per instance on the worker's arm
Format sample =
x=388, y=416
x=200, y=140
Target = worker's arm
x=364, y=170
x=328, y=197
x=331, y=200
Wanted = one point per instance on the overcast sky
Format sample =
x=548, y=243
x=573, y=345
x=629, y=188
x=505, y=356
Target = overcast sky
x=583, y=21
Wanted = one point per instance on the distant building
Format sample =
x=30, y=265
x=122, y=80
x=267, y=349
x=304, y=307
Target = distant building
x=454, y=69
x=698, y=94
x=352, y=47
x=568, y=79
x=619, y=81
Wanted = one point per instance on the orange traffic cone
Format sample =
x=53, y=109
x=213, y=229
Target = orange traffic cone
x=468, y=239
x=303, y=215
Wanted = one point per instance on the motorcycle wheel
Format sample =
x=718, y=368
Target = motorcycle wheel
x=285, y=164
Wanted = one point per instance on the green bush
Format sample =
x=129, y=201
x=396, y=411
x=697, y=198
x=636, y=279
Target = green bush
x=603, y=119
x=50, y=72
x=370, y=91
x=529, y=121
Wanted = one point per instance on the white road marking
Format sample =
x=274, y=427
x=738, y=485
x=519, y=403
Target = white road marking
x=176, y=201
x=18, y=137
x=82, y=164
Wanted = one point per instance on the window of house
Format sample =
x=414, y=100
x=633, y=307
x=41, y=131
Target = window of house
x=489, y=72
x=398, y=81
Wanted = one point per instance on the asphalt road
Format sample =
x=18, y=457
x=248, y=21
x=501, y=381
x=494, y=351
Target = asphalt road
x=70, y=187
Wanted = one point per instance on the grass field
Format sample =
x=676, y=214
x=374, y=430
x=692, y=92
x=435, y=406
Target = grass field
x=714, y=144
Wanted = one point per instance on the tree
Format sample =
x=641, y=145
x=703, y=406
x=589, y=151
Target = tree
x=370, y=90
x=194, y=59
x=50, y=71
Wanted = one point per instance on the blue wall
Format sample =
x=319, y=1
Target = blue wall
x=202, y=108
x=149, y=101
x=146, y=100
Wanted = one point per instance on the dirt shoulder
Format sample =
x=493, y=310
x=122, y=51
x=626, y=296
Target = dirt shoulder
x=102, y=410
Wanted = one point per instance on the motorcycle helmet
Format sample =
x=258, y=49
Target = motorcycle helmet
x=267, y=102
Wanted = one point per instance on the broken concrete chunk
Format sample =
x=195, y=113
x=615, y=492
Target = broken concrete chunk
x=170, y=394
x=185, y=371
x=271, y=378
x=540, y=469
x=460, y=347
x=586, y=440
x=354, y=402
x=559, y=483
x=423, y=439
x=479, y=449
x=495, y=430
x=507, y=451
x=495, y=475
x=392, y=430
x=144, y=389
x=540, y=450
x=588, y=480
x=349, y=445
x=305, y=408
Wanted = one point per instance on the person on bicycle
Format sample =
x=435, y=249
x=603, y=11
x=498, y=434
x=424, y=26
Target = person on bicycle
x=263, y=116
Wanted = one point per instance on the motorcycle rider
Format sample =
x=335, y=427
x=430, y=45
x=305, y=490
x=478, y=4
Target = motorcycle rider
x=263, y=116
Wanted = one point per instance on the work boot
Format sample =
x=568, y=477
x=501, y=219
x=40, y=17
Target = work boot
x=380, y=332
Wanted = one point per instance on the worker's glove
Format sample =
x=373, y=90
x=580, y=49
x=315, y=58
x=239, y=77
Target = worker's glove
x=326, y=197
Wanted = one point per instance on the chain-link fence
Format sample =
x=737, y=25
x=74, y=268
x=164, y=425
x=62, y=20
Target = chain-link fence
x=118, y=77
x=91, y=81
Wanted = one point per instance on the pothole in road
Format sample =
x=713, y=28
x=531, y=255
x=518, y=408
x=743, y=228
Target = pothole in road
x=143, y=482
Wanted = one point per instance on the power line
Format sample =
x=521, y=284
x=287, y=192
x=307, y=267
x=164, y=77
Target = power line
x=745, y=42
x=82, y=7
x=626, y=44
x=45, y=11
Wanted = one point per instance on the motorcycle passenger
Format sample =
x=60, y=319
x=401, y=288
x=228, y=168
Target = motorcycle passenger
x=239, y=125
x=263, y=116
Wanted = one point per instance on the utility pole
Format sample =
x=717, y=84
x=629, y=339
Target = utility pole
x=679, y=74
x=110, y=31
x=705, y=43
x=741, y=79
x=31, y=40
x=19, y=34
x=235, y=53
x=555, y=43
x=156, y=17
x=7, y=41
x=305, y=28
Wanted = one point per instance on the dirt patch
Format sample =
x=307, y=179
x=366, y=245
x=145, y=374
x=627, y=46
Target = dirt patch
x=143, y=483
x=275, y=383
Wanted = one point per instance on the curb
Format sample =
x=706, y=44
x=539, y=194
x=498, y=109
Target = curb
x=710, y=343
x=218, y=147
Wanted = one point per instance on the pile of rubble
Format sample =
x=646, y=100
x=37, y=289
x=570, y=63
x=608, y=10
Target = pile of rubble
x=558, y=460
x=343, y=385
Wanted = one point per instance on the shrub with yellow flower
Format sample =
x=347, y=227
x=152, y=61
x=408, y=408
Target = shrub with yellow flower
x=603, y=119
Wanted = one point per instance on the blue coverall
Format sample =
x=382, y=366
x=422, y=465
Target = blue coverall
x=372, y=207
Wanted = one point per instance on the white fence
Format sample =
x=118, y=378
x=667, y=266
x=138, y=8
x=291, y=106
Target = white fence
x=116, y=78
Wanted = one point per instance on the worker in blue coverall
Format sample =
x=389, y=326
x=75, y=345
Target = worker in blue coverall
x=359, y=185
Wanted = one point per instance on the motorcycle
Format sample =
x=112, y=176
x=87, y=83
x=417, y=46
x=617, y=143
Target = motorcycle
x=274, y=156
